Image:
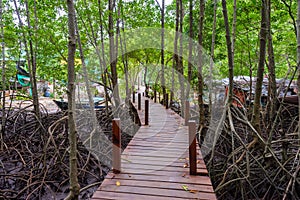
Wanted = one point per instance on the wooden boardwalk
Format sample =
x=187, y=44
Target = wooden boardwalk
x=155, y=163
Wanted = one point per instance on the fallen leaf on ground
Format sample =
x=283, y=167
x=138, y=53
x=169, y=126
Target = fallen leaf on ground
x=185, y=165
x=186, y=188
x=193, y=191
x=118, y=183
x=126, y=159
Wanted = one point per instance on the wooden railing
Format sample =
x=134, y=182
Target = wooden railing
x=116, y=137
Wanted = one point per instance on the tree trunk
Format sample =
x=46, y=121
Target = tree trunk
x=191, y=35
x=163, y=50
x=271, y=68
x=112, y=53
x=74, y=186
x=229, y=52
x=180, y=60
x=250, y=67
x=233, y=30
x=103, y=63
x=212, y=55
x=260, y=69
x=298, y=62
x=124, y=54
x=87, y=83
x=3, y=85
x=199, y=74
x=290, y=11
x=30, y=57
x=175, y=54
x=32, y=66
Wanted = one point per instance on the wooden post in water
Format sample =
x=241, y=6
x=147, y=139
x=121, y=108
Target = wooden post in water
x=192, y=147
x=139, y=101
x=186, y=113
x=146, y=112
x=116, y=151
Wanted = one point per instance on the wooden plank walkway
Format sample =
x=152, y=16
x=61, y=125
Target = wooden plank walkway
x=155, y=163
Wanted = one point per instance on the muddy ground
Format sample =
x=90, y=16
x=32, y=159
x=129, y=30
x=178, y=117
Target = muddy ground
x=34, y=162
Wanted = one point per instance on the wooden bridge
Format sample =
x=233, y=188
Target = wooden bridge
x=155, y=165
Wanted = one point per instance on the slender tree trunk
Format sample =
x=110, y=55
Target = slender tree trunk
x=112, y=53
x=87, y=83
x=175, y=54
x=117, y=31
x=290, y=11
x=163, y=50
x=200, y=65
x=178, y=53
x=250, y=68
x=298, y=62
x=271, y=68
x=35, y=30
x=233, y=30
x=95, y=44
x=30, y=57
x=229, y=52
x=173, y=84
x=191, y=35
x=103, y=66
x=212, y=55
x=180, y=60
x=74, y=186
x=32, y=66
x=124, y=53
x=123, y=49
x=3, y=85
x=260, y=69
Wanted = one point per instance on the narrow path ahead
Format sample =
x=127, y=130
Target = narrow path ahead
x=155, y=163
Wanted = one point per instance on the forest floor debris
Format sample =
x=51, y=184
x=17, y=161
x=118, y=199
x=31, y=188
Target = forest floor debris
x=34, y=163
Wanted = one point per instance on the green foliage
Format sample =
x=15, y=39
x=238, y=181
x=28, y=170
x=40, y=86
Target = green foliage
x=49, y=35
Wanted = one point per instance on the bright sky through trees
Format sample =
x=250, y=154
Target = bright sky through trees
x=167, y=2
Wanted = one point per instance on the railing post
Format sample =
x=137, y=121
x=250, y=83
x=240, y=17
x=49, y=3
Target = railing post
x=139, y=101
x=155, y=96
x=116, y=151
x=192, y=147
x=158, y=98
x=146, y=112
x=186, y=113
x=133, y=97
x=167, y=100
x=133, y=94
